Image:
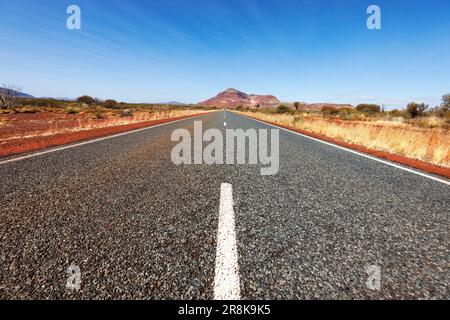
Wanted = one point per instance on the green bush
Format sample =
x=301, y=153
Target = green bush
x=368, y=108
x=86, y=100
x=416, y=109
x=35, y=102
x=282, y=109
x=329, y=111
x=111, y=104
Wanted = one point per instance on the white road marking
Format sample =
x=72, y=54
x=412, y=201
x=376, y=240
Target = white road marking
x=225, y=124
x=447, y=182
x=89, y=142
x=226, y=280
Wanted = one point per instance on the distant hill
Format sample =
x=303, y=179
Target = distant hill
x=174, y=103
x=14, y=93
x=60, y=99
x=232, y=98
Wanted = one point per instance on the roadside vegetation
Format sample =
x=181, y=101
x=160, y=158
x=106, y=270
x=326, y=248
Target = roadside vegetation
x=417, y=132
x=26, y=118
x=87, y=105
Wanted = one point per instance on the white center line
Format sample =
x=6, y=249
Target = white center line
x=225, y=124
x=226, y=280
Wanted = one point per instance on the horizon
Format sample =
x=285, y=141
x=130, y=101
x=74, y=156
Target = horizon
x=314, y=52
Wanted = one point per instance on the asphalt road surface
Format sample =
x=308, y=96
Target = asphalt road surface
x=138, y=226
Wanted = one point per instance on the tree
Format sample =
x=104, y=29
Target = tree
x=8, y=96
x=445, y=105
x=411, y=108
x=416, y=109
x=86, y=99
x=258, y=106
x=296, y=105
x=368, y=108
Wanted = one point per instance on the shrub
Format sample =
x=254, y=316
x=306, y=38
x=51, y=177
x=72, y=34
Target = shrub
x=368, y=108
x=282, y=109
x=346, y=111
x=71, y=111
x=396, y=113
x=36, y=102
x=349, y=114
x=416, y=109
x=86, y=100
x=126, y=113
x=97, y=115
x=26, y=109
x=329, y=111
x=111, y=104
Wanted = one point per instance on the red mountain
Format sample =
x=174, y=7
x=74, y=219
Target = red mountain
x=232, y=98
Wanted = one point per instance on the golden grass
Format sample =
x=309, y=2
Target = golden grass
x=427, y=141
x=87, y=123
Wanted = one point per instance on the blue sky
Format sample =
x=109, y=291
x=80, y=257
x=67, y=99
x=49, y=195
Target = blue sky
x=302, y=50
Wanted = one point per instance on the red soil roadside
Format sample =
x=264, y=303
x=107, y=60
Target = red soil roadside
x=43, y=142
x=413, y=163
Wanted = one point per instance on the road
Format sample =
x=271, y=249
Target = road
x=138, y=226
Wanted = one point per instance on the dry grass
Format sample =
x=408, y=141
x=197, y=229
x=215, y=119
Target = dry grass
x=112, y=121
x=90, y=121
x=109, y=121
x=427, y=140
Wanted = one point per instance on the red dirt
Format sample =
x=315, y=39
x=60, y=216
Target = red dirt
x=27, y=124
x=413, y=163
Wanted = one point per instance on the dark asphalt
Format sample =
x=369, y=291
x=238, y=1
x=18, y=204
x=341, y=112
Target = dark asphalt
x=140, y=227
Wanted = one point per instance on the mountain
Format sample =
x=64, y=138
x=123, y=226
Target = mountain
x=174, y=103
x=232, y=98
x=59, y=99
x=14, y=93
